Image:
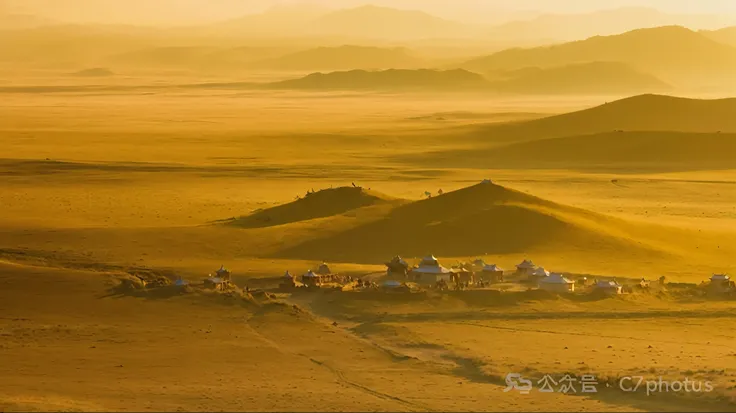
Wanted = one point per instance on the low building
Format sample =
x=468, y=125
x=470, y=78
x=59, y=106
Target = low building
x=324, y=269
x=430, y=271
x=557, y=283
x=223, y=273
x=720, y=283
x=462, y=275
x=215, y=283
x=539, y=273
x=311, y=279
x=609, y=287
x=181, y=282
x=526, y=267
x=492, y=273
x=287, y=281
x=397, y=268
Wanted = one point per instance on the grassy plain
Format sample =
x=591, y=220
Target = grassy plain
x=98, y=183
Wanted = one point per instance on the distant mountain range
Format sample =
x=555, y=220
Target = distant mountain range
x=568, y=27
x=393, y=79
x=594, y=79
x=670, y=52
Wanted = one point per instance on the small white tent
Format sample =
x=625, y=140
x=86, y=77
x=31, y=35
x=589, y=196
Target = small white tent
x=557, y=283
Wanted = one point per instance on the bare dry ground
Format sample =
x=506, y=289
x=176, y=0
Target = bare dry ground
x=96, y=184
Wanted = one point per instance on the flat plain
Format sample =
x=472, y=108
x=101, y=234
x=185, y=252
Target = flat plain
x=98, y=184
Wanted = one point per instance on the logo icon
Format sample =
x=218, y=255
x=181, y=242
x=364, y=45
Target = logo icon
x=514, y=381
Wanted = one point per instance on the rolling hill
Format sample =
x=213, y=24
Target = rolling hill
x=642, y=133
x=583, y=78
x=347, y=57
x=638, y=113
x=392, y=79
x=664, y=51
x=481, y=219
x=321, y=204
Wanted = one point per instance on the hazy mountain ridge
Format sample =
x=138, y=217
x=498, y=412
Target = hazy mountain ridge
x=593, y=78
x=392, y=79
x=569, y=27
x=671, y=51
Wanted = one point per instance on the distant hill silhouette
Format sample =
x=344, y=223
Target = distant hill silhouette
x=484, y=218
x=320, y=204
x=582, y=78
x=726, y=35
x=392, y=79
x=570, y=27
x=672, y=50
x=346, y=57
x=94, y=72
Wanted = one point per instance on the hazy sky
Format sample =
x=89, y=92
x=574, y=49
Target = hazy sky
x=190, y=11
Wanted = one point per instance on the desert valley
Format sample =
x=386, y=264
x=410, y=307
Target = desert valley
x=404, y=219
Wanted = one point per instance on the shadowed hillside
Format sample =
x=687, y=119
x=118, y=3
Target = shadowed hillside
x=584, y=78
x=482, y=219
x=321, y=204
x=669, y=50
x=392, y=79
x=638, y=113
x=343, y=58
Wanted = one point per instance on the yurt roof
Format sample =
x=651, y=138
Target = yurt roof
x=222, y=270
x=720, y=277
x=541, y=272
x=526, y=264
x=492, y=268
x=556, y=278
x=310, y=274
x=181, y=282
x=288, y=275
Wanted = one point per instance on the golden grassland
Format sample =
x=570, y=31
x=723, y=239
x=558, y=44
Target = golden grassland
x=95, y=184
